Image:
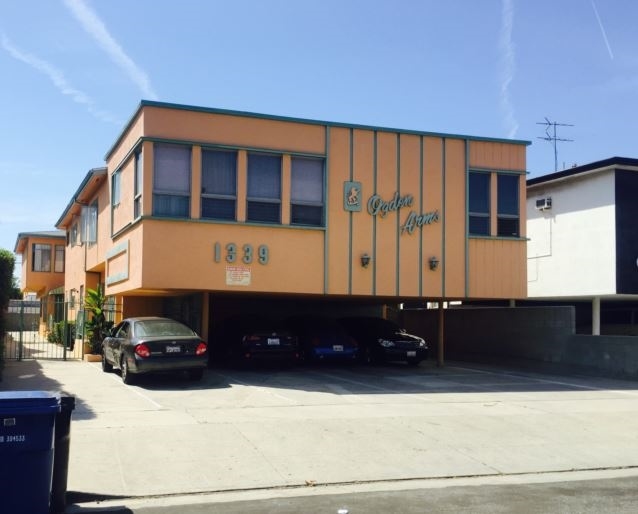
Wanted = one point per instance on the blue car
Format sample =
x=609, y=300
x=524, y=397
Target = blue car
x=323, y=339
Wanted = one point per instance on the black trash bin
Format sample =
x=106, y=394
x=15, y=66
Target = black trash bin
x=61, y=454
x=27, y=421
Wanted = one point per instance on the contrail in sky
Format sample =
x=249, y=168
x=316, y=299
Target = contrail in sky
x=508, y=66
x=602, y=29
x=58, y=79
x=98, y=31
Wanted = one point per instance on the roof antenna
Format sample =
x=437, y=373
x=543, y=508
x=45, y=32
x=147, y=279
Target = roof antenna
x=552, y=137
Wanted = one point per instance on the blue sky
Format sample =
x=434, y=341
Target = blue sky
x=74, y=71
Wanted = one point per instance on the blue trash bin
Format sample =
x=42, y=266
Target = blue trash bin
x=27, y=422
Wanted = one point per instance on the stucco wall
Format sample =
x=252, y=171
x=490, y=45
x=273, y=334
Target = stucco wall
x=573, y=239
x=544, y=334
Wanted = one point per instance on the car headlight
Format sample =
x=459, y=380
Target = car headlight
x=385, y=343
x=422, y=344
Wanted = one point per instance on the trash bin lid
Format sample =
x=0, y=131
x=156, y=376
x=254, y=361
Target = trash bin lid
x=28, y=402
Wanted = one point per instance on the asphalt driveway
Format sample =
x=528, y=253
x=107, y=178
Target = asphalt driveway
x=304, y=428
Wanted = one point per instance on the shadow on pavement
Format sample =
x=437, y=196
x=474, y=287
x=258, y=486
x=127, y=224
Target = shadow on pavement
x=28, y=375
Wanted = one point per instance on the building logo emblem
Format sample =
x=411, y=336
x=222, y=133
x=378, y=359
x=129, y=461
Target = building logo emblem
x=352, y=196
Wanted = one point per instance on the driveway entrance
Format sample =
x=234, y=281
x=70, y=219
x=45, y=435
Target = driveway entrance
x=305, y=427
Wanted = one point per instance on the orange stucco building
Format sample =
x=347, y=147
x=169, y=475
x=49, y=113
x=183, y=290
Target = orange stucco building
x=198, y=209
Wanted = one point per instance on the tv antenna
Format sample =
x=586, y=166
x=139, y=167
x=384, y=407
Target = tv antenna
x=551, y=137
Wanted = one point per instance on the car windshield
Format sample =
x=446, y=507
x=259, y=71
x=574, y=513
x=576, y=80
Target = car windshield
x=387, y=327
x=161, y=327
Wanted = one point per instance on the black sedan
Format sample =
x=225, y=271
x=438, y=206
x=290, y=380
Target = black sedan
x=382, y=340
x=252, y=339
x=153, y=344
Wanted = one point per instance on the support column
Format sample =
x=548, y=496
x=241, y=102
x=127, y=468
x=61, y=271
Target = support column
x=595, y=316
x=440, y=360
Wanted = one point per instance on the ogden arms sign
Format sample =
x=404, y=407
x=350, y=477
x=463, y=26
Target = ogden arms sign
x=378, y=206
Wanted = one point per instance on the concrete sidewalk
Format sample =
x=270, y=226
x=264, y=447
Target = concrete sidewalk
x=307, y=428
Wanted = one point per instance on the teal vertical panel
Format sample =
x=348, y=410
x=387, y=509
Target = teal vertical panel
x=326, y=180
x=374, y=220
x=443, y=207
x=420, y=261
x=350, y=215
x=398, y=216
x=467, y=210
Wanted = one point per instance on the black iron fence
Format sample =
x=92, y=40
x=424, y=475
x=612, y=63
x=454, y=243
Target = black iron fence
x=48, y=329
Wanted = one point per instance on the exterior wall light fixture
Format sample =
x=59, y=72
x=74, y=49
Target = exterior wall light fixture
x=433, y=262
x=365, y=260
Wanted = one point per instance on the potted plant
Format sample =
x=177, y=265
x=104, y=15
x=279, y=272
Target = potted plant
x=97, y=326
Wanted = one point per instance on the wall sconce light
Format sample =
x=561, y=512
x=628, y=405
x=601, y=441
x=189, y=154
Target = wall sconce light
x=365, y=260
x=434, y=263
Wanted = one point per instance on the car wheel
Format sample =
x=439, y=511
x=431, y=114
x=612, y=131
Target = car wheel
x=196, y=374
x=127, y=377
x=107, y=367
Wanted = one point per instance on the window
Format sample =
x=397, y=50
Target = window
x=41, y=257
x=171, y=181
x=219, y=184
x=264, y=188
x=89, y=223
x=137, y=185
x=479, y=204
x=508, y=205
x=59, y=259
x=74, y=235
x=116, y=188
x=306, y=196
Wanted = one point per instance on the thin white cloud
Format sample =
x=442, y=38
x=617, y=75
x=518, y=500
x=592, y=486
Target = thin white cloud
x=602, y=30
x=59, y=80
x=508, y=66
x=92, y=24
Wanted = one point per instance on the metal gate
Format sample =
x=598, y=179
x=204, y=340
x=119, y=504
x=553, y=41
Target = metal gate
x=30, y=336
x=47, y=329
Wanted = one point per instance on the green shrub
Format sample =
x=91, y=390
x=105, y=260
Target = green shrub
x=7, y=264
x=56, y=335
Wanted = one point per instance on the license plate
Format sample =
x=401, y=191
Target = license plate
x=173, y=349
x=337, y=348
x=273, y=341
x=411, y=354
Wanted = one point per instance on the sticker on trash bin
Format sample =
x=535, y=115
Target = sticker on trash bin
x=9, y=422
x=17, y=438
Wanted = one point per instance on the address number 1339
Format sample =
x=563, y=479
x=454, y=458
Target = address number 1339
x=231, y=253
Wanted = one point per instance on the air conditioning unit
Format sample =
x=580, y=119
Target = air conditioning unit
x=543, y=204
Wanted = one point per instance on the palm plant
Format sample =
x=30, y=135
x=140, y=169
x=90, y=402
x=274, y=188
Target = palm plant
x=97, y=326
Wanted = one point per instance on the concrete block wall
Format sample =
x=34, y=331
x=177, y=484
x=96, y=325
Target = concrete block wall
x=543, y=334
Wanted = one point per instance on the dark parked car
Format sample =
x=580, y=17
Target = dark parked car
x=246, y=339
x=153, y=344
x=323, y=339
x=383, y=340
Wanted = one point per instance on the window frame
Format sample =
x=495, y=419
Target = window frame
x=301, y=203
x=138, y=184
x=38, y=251
x=172, y=193
x=482, y=215
x=116, y=188
x=254, y=201
x=89, y=223
x=74, y=234
x=218, y=196
x=503, y=218
x=59, y=249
